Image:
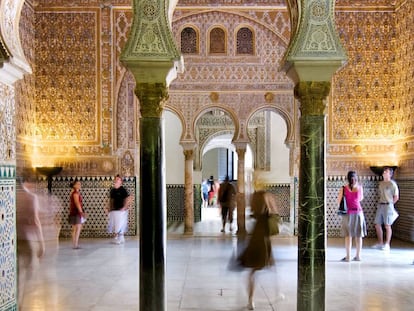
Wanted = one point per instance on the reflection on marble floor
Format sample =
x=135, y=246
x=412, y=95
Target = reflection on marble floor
x=103, y=276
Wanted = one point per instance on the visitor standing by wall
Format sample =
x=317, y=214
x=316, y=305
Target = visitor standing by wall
x=119, y=200
x=76, y=213
x=353, y=223
x=386, y=213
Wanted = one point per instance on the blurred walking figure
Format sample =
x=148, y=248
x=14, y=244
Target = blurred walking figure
x=119, y=199
x=258, y=253
x=212, y=192
x=76, y=213
x=30, y=241
x=227, y=201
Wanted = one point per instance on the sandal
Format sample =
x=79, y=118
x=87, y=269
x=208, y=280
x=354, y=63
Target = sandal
x=345, y=259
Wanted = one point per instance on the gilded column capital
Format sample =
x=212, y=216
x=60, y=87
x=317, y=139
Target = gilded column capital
x=311, y=96
x=150, y=51
x=315, y=51
x=188, y=154
x=152, y=98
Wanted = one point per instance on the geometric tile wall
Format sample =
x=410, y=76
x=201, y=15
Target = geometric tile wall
x=369, y=204
x=8, y=270
x=404, y=225
x=282, y=193
x=175, y=203
x=95, y=193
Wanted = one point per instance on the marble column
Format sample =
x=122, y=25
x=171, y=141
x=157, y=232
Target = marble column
x=152, y=250
x=241, y=195
x=311, y=222
x=189, y=192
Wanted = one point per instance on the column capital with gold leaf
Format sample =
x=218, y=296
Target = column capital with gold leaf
x=315, y=52
x=150, y=52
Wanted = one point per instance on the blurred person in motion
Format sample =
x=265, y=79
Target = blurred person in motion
x=258, y=253
x=30, y=241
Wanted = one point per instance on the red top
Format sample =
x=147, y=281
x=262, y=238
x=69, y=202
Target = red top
x=73, y=209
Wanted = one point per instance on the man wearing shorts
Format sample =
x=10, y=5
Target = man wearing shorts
x=386, y=213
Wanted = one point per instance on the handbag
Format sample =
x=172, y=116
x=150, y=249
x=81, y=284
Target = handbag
x=273, y=222
x=342, y=209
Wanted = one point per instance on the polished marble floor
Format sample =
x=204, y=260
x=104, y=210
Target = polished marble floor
x=103, y=277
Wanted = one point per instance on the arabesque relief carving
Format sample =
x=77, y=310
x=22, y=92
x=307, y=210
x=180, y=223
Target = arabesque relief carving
x=368, y=106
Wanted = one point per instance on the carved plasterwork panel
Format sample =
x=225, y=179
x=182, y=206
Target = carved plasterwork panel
x=67, y=76
x=7, y=128
x=11, y=48
x=25, y=121
x=370, y=118
x=234, y=72
x=127, y=114
x=363, y=4
x=365, y=93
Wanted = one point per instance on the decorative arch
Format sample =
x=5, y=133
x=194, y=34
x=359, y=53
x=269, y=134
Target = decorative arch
x=290, y=132
x=13, y=63
x=229, y=111
x=245, y=40
x=181, y=117
x=285, y=116
x=190, y=39
x=126, y=114
x=199, y=147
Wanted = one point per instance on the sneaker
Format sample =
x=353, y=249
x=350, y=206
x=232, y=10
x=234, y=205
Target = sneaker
x=378, y=246
x=116, y=241
x=386, y=247
x=250, y=306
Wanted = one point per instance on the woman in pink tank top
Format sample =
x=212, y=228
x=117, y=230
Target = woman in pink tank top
x=353, y=223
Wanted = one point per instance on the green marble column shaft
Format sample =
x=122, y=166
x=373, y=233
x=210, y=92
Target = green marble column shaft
x=153, y=203
x=311, y=222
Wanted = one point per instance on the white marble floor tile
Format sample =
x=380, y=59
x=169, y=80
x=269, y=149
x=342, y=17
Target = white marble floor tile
x=102, y=276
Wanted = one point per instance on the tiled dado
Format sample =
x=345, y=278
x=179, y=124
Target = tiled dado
x=95, y=193
x=8, y=272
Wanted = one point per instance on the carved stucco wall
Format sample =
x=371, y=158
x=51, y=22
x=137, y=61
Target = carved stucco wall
x=25, y=120
x=370, y=120
x=100, y=130
x=405, y=78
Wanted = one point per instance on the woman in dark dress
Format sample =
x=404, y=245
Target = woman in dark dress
x=258, y=253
